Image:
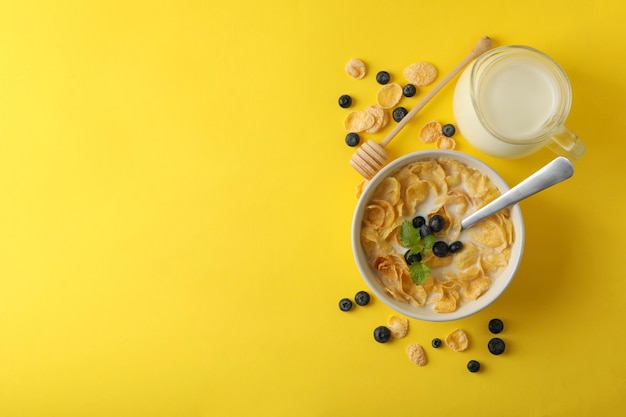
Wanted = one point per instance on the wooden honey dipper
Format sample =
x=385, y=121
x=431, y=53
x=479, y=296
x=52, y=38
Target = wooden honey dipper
x=371, y=156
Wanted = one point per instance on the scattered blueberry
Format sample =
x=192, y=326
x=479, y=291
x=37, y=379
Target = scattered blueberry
x=455, y=246
x=425, y=230
x=409, y=90
x=496, y=326
x=382, y=77
x=448, y=130
x=345, y=304
x=473, y=366
x=440, y=249
x=362, y=298
x=436, y=223
x=418, y=221
x=399, y=113
x=412, y=258
x=496, y=346
x=436, y=343
x=352, y=139
x=345, y=101
x=382, y=334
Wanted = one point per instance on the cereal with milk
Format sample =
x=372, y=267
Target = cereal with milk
x=450, y=189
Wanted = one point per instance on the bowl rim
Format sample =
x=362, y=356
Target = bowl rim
x=469, y=308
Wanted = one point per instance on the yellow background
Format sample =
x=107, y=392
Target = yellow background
x=176, y=208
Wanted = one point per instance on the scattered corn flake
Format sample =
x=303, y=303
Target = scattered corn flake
x=399, y=326
x=416, y=354
x=421, y=73
x=360, y=187
x=381, y=118
x=356, y=68
x=358, y=121
x=446, y=142
x=389, y=95
x=430, y=132
x=457, y=340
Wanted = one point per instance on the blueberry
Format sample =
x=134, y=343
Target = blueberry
x=412, y=258
x=409, y=90
x=382, y=334
x=473, y=366
x=418, y=221
x=440, y=249
x=362, y=298
x=455, y=246
x=399, y=113
x=352, y=139
x=425, y=230
x=448, y=130
x=345, y=101
x=436, y=343
x=345, y=304
x=496, y=326
x=496, y=346
x=436, y=223
x=382, y=77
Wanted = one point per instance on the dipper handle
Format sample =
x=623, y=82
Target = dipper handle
x=483, y=45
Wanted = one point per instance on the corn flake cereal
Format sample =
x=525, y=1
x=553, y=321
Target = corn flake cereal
x=381, y=118
x=358, y=121
x=457, y=340
x=421, y=73
x=416, y=354
x=399, y=326
x=451, y=189
x=445, y=142
x=356, y=68
x=360, y=187
x=430, y=132
x=389, y=95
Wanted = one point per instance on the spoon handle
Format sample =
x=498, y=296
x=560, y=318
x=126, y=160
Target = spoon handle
x=556, y=171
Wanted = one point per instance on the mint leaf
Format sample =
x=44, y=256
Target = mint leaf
x=409, y=236
x=419, y=272
x=429, y=241
x=419, y=248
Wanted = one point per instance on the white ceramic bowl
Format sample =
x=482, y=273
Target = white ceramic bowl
x=427, y=313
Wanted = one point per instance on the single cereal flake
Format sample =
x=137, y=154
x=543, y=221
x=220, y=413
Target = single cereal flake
x=457, y=340
x=399, y=326
x=421, y=73
x=356, y=68
x=389, y=95
x=430, y=132
x=416, y=354
x=358, y=121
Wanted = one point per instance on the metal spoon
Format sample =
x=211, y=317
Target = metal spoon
x=556, y=171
